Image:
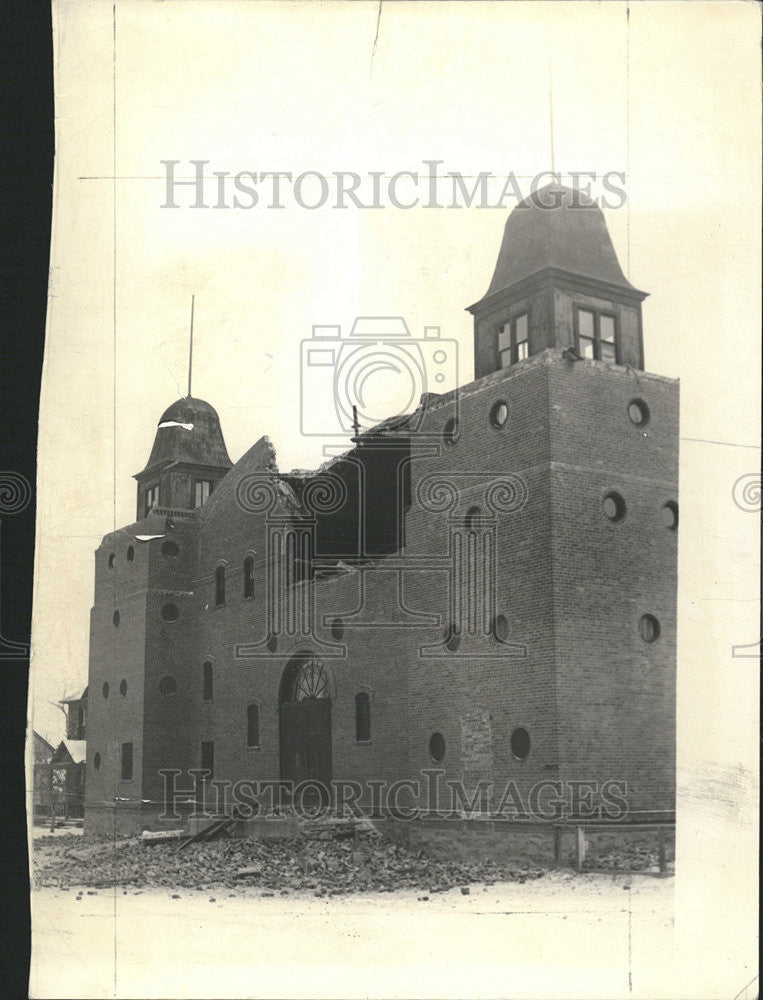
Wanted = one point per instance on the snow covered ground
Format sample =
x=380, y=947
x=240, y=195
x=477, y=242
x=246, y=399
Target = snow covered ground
x=564, y=935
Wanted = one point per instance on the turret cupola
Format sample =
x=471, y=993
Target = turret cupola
x=187, y=460
x=557, y=283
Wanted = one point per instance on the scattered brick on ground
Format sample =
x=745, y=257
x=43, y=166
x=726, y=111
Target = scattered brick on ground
x=323, y=867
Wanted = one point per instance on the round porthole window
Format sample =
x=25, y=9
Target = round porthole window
x=670, y=515
x=168, y=684
x=115, y=619
x=649, y=628
x=638, y=412
x=111, y=560
x=123, y=687
x=130, y=553
x=437, y=747
x=170, y=612
x=97, y=762
x=499, y=414
x=105, y=689
x=500, y=628
x=170, y=550
x=337, y=629
x=450, y=432
x=614, y=506
x=520, y=743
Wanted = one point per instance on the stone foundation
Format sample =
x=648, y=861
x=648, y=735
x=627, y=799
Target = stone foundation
x=546, y=844
x=129, y=820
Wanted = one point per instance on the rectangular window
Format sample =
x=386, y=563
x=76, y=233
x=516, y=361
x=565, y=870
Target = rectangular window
x=596, y=335
x=253, y=726
x=520, y=337
x=208, y=756
x=586, y=339
x=126, y=771
x=607, y=338
x=248, y=577
x=207, y=682
x=219, y=586
x=362, y=717
x=513, y=341
x=152, y=498
x=201, y=490
x=504, y=345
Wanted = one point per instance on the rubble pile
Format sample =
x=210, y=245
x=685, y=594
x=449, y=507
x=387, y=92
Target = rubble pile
x=631, y=858
x=320, y=866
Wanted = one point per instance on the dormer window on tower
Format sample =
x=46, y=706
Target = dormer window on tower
x=596, y=334
x=201, y=490
x=151, y=499
x=187, y=461
x=557, y=285
x=513, y=341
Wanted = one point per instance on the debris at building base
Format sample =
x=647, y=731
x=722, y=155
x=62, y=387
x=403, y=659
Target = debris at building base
x=212, y=831
x=252, y=870
x=339, y=827
x=87, y=853
x=322, y=867
x=162, y=836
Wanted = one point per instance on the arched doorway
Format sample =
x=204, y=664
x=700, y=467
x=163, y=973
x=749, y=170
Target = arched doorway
x=305, y=720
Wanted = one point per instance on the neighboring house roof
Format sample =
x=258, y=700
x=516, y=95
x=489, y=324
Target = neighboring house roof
x=43, y=750
x=76, y=696
x=47, y=720
x=70, y=752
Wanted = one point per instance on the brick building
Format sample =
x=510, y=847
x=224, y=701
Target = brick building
x=481, y=592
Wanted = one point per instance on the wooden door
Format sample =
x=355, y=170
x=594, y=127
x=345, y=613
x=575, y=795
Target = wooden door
x=306, y=741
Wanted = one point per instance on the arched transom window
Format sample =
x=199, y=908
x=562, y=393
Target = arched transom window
x=311, y=681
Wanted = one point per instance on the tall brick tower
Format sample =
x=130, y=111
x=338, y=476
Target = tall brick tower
x=562, y=458
x=143, y=626
x=606, y=434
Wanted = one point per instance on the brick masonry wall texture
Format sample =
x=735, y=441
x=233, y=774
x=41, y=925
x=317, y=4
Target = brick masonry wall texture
x=117, y=655
x=616, y=692
x=598, y=703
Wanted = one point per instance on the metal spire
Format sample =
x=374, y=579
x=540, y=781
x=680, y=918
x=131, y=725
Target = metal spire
x=190, y=350
x=551, y=109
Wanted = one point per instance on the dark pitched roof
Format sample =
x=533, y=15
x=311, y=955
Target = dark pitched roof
x=556, y=228
x=192, y=434
x=70, y=751
x=43, y=747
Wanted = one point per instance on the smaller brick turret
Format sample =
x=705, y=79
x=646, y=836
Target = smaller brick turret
x=187, y=460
